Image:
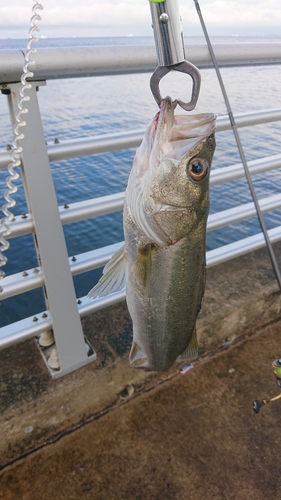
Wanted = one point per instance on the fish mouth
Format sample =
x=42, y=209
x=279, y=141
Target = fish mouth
x=164, y=119
x=184, y=126
x=166, y=115
x=167, y=106
x=174, y=135
x=195, y=126
x=171, y=136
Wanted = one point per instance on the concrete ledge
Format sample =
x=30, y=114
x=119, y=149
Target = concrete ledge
x=241, y=297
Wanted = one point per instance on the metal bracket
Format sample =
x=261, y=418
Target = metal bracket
x=49, y=238
x=183, y=67
x=166, y=23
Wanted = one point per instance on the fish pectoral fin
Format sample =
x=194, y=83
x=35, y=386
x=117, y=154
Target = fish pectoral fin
x=113, y=278
x=191, y=352
x=117, y=259
x=136, y=357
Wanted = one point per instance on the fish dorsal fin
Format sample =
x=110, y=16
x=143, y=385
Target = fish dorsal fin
x=113, y=278
x=191, y=352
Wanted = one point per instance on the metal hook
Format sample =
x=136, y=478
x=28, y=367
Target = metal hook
x=183, y=67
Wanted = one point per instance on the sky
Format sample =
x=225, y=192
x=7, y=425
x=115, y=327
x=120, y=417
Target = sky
x=86, y=18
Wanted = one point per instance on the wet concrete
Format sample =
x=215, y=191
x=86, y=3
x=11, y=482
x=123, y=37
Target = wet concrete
x=193, y=437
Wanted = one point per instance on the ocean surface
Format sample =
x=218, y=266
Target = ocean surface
x=85, y=107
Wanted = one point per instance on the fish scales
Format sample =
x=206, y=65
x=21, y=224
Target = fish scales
x=168, y=298
x=165, y=216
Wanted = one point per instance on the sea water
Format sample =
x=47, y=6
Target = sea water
x=84, y=107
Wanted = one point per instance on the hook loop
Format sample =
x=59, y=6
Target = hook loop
x=184, y=67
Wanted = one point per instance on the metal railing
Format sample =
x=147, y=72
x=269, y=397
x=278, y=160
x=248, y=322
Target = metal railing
x=55, y=269
x=54, y=63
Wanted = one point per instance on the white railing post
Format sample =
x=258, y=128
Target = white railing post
x=49, y=238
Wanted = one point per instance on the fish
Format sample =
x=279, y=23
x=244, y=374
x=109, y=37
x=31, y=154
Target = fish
x=162, y=263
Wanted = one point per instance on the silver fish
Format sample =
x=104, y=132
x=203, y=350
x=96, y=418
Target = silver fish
x=163, y=260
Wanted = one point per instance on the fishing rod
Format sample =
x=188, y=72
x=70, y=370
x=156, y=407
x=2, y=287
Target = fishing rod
x=240, y=149
x=257, y=405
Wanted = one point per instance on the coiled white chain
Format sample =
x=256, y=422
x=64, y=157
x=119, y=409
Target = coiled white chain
x=18, y=136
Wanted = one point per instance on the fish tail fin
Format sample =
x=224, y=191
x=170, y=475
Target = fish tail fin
x=191, y=352
x=137, y=357
x=113, y=278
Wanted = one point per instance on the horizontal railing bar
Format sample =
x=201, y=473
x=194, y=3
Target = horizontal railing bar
x=77, y=62
x=87, y=261
x=87, y=306
x=234, y=172
x=25, y=329
x=35, y=325
x=22, y=282
x=242, y=212
x=95, y=145
x=248, y=119
x=23, y=224
x=241, y=247
x=93, y=259
x=32, y=326
x=97, y=258
x=33, y=278
x=92, y=208
x=130, y=139
x=20, y=226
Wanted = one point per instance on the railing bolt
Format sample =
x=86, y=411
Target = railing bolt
x=56, y=141
x=35, y=270
x=23, y=215
x=65, y=205
x=44, y=315
x=79, y=301
x=73, y=258
x=8, y=147
x=35, y=319
x=24, y=273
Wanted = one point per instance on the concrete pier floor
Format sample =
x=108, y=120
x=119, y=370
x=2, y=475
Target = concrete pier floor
x=193, y=437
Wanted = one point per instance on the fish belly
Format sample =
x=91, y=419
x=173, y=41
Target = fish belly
x=164, y=292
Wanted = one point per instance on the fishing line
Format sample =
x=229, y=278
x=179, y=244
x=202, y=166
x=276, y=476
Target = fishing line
x=240, y=149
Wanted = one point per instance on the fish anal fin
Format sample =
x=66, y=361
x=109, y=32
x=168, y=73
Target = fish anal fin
x=113, y=278
x=136, y=357
x=191, y=352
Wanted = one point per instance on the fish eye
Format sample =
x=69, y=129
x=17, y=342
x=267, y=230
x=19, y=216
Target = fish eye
x=197, y=168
